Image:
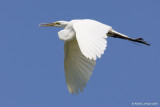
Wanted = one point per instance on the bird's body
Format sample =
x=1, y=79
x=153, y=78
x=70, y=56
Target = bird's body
x=85, y=40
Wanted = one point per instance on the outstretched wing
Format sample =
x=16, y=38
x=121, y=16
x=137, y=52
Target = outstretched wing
x=91, y=37
x=78, y=68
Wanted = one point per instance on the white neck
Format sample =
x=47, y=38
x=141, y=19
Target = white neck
x=63, y=24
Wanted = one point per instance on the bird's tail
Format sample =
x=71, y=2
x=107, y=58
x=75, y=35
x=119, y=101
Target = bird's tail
x=113, y=33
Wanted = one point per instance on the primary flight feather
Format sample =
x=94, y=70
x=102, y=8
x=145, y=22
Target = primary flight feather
x=85, y=40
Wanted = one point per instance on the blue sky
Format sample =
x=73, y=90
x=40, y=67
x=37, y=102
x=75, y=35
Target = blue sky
x=31, y=57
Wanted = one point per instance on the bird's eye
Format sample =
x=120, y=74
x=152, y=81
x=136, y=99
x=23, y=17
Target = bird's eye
x=57, y=23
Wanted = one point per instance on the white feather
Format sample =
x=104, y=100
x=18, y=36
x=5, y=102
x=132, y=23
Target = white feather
x=78, y=68
x=91, y=37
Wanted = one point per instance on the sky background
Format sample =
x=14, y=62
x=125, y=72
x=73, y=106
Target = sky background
x=31, y=57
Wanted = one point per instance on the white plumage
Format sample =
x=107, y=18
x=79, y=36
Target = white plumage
x=85, y=40
x=78, y=68
x=91, y=37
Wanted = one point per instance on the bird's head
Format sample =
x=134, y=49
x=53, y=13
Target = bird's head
x=55, y=24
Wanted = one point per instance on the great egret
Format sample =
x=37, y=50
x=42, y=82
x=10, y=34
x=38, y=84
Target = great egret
x=85, y=40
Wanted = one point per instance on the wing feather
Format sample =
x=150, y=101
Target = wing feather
x=91, y=37
x=78, y=68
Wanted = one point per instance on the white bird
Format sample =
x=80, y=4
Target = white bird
x=85, y=40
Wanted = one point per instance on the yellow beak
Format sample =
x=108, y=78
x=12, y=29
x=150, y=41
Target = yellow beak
x=47, y=24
